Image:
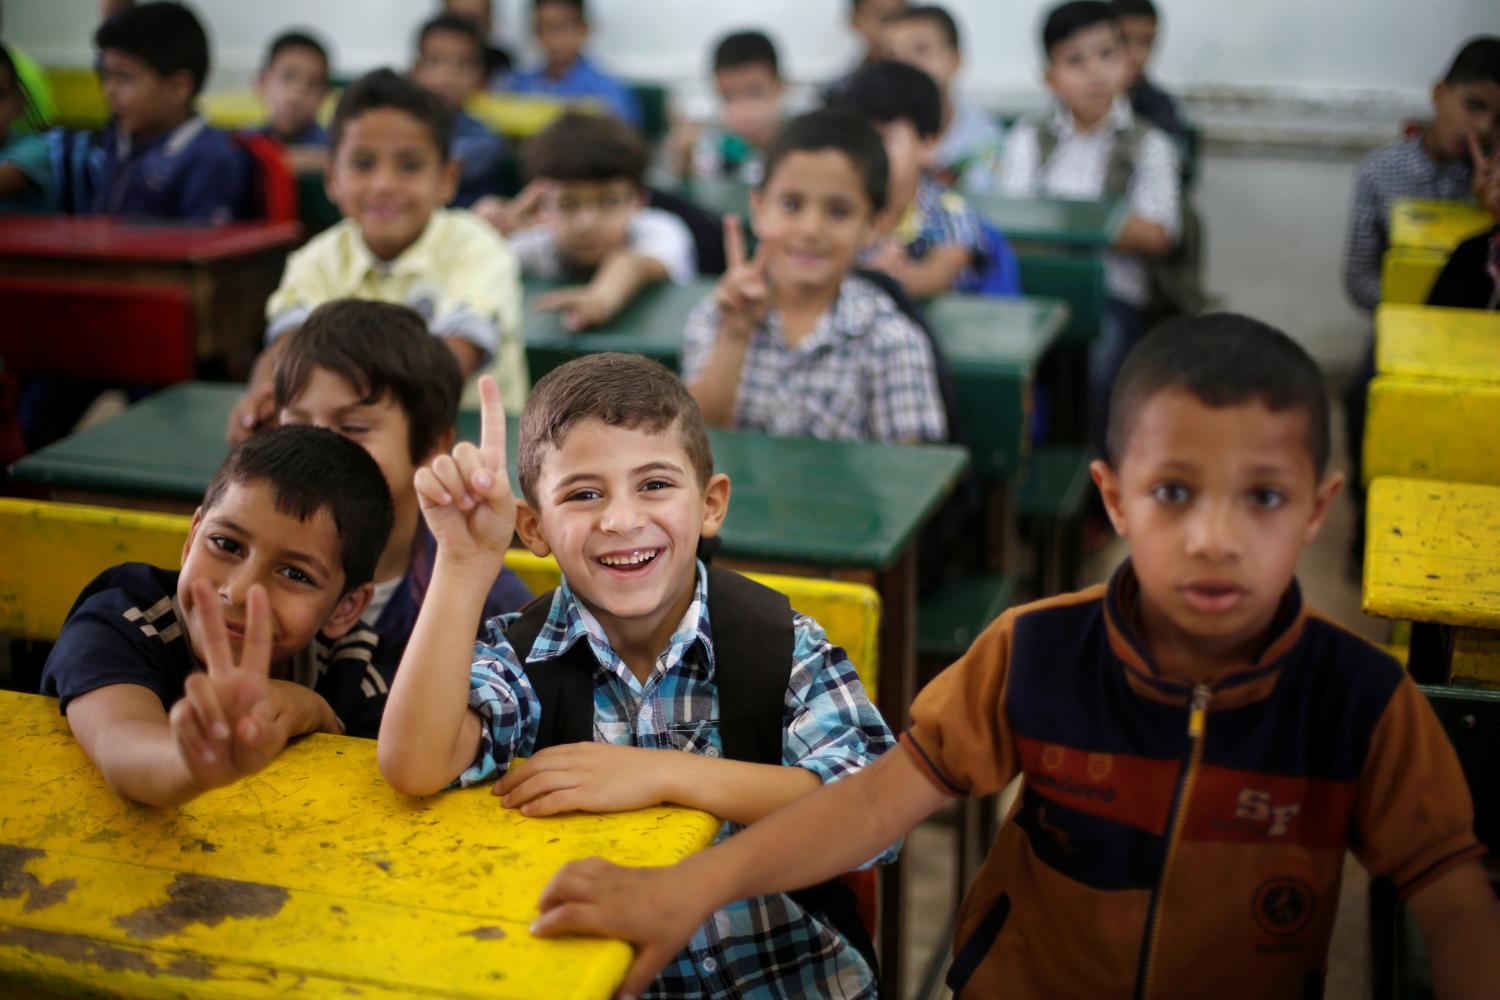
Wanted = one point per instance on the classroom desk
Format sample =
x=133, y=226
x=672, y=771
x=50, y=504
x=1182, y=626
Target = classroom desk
x=1082, y=225
x=1430, y=224
x=1460, y=345
x=992, y=346
x=228, y=271
x=1425, y=428
x=1407, y=276
x=848, y=510
x=1430, y=557
x=311, y=879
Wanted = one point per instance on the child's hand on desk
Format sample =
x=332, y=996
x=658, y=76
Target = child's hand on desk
x=465, y=496
x=255, y=410
x=230, y=722
x=511, y=214
x=743, y=295
x=581, y=307
x=655, y=909
x=587, y=777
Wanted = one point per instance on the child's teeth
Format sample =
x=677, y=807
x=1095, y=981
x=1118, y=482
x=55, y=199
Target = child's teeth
x=630, y=560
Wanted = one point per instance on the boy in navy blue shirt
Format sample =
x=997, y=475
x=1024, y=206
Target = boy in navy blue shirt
x=156, y=157
x=292, y=85
x=562, y=28
x=275, y=575
x=450, y=63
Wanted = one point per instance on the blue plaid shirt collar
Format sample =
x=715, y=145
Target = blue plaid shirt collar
x=569, y=621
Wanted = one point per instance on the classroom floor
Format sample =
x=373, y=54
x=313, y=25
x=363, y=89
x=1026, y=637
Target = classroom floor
x=929, y=849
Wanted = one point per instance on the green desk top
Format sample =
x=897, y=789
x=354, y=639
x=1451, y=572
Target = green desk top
x=721, y=196
x=815, y=503
x=1086, y=224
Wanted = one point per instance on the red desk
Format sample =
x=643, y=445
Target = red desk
x=77, y=278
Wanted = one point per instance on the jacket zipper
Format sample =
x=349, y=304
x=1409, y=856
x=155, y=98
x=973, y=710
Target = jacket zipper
x=1197, y=719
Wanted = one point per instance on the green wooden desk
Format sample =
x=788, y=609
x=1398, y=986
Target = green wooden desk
x=1087, y=225
x=824, y=508
x=311, y=879
x=993, y=347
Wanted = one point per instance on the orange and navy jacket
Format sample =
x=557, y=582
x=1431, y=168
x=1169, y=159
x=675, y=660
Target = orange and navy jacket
x=1173, y=840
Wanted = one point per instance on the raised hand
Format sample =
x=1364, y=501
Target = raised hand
x=511, y=214
x=228, y=723
x=465, y=496
x=743, y=295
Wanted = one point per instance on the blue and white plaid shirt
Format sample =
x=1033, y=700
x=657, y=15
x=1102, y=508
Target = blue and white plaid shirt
x=865, y=373
x=763, y=947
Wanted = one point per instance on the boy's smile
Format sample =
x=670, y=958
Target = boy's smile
x=622, y=510
x=388, y=176
x=815, y=218
x=1217, y=504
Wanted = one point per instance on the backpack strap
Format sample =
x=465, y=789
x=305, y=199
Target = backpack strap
x=1123, y=156
x=563, y=684
x=752, y=636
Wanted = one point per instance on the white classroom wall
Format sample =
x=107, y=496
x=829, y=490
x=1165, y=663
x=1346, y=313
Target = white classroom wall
x=1290, y=94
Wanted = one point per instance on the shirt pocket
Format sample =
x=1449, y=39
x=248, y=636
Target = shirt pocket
x=699, y=737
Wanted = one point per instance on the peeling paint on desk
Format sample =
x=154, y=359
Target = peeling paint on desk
x=199, y=899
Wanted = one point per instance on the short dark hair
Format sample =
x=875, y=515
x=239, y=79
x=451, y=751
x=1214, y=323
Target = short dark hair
x=890, y=91
x=312, y=468
x=1066, y=20
x=578, y=146
x=453, y=25
x=838, y=128
x=165, y=36
x=1477, y=62
x=577, y=5
x=623, y=390
x=385, y=88
x=1224, y=359
x=1134, y=8
x=746, y=48
x=378, y=348
x=931, y=14
x=296, y=40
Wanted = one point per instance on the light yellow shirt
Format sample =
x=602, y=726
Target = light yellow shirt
x=460, y=274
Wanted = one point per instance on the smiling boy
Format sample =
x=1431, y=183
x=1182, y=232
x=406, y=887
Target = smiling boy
x=624, y=662
x=298, y=515
x=1199, y=748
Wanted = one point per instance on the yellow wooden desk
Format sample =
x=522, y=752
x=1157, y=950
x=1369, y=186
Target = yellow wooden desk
x=1407, y=276
x=1432, y=555
x=1421, y=428
x=1427, y=224
x=311, y=879
x=1433, y=342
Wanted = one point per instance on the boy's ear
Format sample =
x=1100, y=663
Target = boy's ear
x=345, y=614
x=529, y=527
x=715, y=504
x=180, y=85
x=1322, y=503
x=1108, y=482
x=187, y=543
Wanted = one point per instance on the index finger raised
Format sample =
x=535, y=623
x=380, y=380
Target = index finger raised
x=491, y=425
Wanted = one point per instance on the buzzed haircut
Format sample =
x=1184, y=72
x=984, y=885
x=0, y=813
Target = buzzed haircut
x=843, y=130
x=583, y=147
x=453, y=25
x=311, y=469
x=385, y=88
x=577, y=5
x=931, y=14
x=1134, y=8
x=1477, y=62
x=1224, y=359
x=622, y=390
x=378, y=348
x=890, y=91
x=1067, y=20
x=746, y=48
x=296, y=40
x=165, y=36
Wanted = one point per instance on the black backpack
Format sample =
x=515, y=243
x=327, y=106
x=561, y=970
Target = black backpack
x=752, y=638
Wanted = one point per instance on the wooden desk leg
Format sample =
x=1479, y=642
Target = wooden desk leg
x=897, y=683
x=1430, y=660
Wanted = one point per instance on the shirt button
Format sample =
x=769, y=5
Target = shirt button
x=711, y=752
x=709, y=965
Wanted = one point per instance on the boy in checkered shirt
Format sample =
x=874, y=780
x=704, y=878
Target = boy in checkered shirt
x=792, y=342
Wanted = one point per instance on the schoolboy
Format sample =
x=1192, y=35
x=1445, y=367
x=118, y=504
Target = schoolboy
x=968, y=152
x=866, y=18
x=292, y=85
x=371, y=372
x=156, y=157
x=390, y=176
x=1093, y=147
x=26, y=179
x=747, y=80
x=583, y=216
x=932, y=241
x=562, y=29
x=618, y=483
x=791, y=342
x=1199, y=749
x=450, y=63
x=481, y=13
x=275, y=574
x=1141, y=25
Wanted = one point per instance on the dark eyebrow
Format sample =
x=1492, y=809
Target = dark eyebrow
x=639, y=470
x=307, y=559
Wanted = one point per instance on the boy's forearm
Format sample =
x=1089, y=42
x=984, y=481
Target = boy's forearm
x=141, y=761
x=422, y=733
x=623, y=274
x=1149, y=239
x=1460, y=922
x=936, y=273
x=734, y=790
x=717, y=387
